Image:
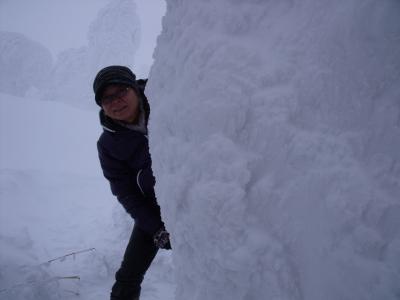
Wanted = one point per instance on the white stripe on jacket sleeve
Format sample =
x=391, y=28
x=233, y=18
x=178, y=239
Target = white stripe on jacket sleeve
x=138, y=182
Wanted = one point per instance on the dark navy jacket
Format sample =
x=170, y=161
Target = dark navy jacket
x=126, y=163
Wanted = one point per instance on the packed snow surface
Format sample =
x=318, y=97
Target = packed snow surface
x=275, y=137
x=58, y=219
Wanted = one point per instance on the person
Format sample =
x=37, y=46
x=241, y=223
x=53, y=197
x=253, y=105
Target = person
x=126, y=163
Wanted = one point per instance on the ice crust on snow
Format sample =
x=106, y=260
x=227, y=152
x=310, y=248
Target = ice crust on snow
x=275, y=137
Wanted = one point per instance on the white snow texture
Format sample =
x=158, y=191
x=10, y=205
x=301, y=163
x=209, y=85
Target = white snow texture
x=275, y=138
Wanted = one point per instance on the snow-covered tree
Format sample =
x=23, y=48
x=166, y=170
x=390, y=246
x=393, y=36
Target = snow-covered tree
x=275, y=137
x=24, y=64
x=113, y=38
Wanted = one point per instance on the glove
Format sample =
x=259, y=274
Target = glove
x=161, y=239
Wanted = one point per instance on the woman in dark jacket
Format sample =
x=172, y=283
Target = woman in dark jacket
x=125, y=159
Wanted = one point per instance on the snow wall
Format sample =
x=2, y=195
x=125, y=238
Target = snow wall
x=275, y=137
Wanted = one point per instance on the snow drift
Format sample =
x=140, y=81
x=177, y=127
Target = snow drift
x=275, y=137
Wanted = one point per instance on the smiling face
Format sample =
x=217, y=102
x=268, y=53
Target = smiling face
x=120, y=103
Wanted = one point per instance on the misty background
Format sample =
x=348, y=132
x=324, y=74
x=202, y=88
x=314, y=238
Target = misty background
x=62, y=233
x=60, y=25
x=274, y=134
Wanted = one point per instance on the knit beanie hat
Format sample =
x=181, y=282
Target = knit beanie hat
x=112, y=75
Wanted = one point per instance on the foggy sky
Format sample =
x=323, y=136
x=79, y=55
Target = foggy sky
x=60, y=25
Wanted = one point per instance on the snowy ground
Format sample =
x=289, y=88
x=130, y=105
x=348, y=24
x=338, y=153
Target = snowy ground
x=53, y=202
x=275, y=137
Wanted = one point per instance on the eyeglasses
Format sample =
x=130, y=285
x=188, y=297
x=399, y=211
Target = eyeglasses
x=117, y=95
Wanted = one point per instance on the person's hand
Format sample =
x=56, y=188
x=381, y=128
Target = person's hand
x=161, y=239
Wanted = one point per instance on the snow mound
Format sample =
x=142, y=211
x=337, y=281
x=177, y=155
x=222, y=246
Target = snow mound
x=274, y=133
x=24, y=64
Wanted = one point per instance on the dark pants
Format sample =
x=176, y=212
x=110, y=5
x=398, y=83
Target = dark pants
x=138, y=256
